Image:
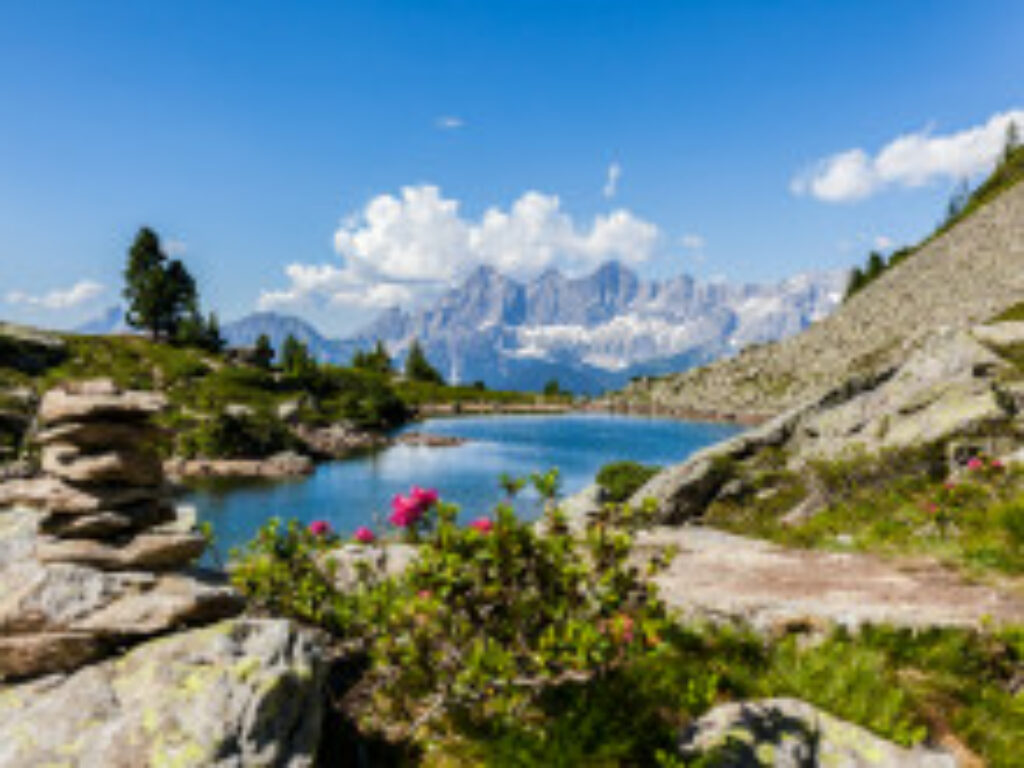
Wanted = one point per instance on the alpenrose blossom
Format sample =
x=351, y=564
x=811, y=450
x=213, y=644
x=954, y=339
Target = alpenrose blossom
x=407, y=510
x=320, y=528
x=483, y=524
x=364, y=535
x=424, y=497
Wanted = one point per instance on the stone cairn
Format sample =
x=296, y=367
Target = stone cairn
x=104, y=560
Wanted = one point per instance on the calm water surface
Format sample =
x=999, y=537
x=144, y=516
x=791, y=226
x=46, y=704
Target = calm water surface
x=357, y=491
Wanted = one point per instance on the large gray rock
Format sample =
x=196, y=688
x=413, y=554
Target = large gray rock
x=945, y=388
x=129, y=467
x=55, y=617
x=683, y=491
x=789, y=733
x=55, y=495
x=146, y=551
x=98, y=400
x=239, y=693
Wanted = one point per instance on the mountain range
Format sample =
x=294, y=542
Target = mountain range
x=591, y=333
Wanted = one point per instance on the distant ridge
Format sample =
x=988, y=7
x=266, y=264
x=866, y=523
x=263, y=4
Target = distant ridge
x=278, y=327
x=591, y=333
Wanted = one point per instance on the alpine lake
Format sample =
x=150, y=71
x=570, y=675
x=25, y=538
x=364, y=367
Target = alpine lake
x=357, y=491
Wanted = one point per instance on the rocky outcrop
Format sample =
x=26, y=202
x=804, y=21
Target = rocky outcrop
x=338, y=441
x=28, y=350
x=278, y=466
x=238, y=693
x=722, y=577
x=91, y=560
x=784, y=733
x=952, y=388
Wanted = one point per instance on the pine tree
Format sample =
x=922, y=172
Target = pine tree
x=263, y=354
x=161, y=294
x=1012, y=140
x=418, y=368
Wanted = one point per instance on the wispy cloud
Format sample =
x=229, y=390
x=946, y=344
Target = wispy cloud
x=413, y=244
x=910, y=160
x=692, y=242
x=611, y=184
x=80, y=293
x=175, y=247
x=449, y=123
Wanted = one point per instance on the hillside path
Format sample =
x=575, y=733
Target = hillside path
x=721, y=575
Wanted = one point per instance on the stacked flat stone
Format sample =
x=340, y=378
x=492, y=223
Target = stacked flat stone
x=100, y=559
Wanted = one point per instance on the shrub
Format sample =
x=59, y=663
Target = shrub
x=1013, y=523
x=620, y=480
x=237, y=436
x=487, y=620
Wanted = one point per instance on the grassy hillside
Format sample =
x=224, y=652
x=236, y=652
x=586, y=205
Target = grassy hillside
x=218, y=407
x=965, y=273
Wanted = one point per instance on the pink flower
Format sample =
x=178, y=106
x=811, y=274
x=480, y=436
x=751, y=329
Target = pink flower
x=996, y=464
x=424, y=594
x=364, y=535
x=404, y=511
x=424, y=498
x=320, y=528
x=949, y=485
x=975, y=464
x=482, y=524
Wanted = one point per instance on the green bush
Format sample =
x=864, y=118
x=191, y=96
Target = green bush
x=1013, y=523
x=621, y=479
x=237, y=436
x=487, y=621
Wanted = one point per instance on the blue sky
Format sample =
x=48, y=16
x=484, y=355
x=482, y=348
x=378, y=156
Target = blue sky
x=379, y=150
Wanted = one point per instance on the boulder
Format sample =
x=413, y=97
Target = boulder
x=945, y=388
x=239, y=693
x=121, y=605
x=389, y=561
x=98, y=400
x=129, y=467
x=98, y=434
x=789, y=733
x=145, y=551
x=107, y=524
x=55, y=495
x=683, y=491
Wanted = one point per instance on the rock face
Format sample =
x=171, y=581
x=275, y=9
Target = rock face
x=788, y=733
x=238, y=693
x=92, y=562
x=951, y=388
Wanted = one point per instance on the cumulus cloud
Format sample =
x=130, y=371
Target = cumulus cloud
x=611, y=184
x=418, y=242
x=910, y=160
x=78, y=294
x=449, y=123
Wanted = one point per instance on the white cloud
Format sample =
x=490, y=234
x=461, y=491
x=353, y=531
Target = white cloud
x=449, y=123
x=611, y=184
x=883, y=243
x=692, y=242
x=910, y=160
x=80, y=293
x=175, y=248
x=418, y=243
